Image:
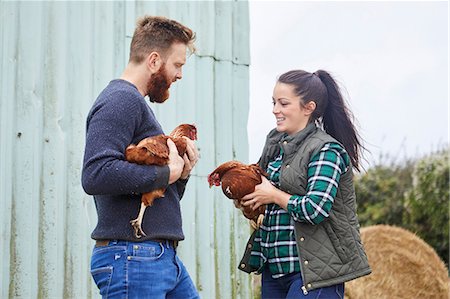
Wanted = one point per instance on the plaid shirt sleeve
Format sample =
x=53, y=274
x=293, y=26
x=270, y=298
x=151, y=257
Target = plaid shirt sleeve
x=324, y=173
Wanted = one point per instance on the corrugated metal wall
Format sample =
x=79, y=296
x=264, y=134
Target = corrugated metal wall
x=55, y=59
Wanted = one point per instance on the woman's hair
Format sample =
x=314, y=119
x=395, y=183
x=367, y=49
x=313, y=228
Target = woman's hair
x=331, y=110
x=158, y=34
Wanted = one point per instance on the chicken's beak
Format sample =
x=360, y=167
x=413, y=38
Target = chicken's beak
x=213, y=180
x=210, y=182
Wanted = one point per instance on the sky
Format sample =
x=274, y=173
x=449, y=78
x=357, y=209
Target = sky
x=390, y=59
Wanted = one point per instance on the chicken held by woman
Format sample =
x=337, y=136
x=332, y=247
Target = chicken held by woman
x=237, y=180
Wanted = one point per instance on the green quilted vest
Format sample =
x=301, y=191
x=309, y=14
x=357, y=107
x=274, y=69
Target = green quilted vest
x=330, y=252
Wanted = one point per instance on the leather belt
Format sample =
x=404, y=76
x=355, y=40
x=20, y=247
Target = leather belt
x=101, y=243
x=172, y=243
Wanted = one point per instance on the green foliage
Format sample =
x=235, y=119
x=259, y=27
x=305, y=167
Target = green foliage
x=427, y=203
x=413, y=195
x=380, y=194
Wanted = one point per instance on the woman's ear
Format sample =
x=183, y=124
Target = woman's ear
x=309, y=107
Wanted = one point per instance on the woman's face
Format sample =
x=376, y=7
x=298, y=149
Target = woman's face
x=290, y=116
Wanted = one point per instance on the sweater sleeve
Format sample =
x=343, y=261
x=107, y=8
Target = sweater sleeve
x=181, y=186
x=111, y=126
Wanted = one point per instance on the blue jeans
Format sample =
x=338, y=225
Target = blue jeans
x=289, y=286
x=140, y=270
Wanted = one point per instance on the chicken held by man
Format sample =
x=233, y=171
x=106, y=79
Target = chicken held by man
x=154, y=151
x=237, y=180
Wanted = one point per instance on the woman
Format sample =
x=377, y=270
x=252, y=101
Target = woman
x=309, y=243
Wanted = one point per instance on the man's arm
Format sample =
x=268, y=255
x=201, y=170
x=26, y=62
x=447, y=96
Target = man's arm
x=110, y=129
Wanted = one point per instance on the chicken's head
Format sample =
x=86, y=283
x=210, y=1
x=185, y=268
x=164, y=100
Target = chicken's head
x=192, y=132
x=214, y=179
x=188, y=130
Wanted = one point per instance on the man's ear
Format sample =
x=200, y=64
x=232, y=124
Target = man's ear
x=309, y=107
x=154, y=62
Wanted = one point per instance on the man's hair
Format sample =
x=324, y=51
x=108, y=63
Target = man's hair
x=158, y=34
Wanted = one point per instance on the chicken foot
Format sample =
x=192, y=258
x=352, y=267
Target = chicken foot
x=147, y=200
x=137, y=223
x=258, y=222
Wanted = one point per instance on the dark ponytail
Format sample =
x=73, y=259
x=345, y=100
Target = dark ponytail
x=337, y=119
x=331, y=110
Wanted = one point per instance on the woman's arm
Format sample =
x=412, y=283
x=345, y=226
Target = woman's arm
x=324, y=171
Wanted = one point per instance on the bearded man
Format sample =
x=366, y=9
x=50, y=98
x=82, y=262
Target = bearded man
x=123, y=266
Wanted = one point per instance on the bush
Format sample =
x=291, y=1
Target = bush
x=427, y=203
x=413, y=195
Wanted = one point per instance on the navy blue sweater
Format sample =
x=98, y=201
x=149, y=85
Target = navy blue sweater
x=120, y=116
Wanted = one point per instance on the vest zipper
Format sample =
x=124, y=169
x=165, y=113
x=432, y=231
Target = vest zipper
x=305, y=292
x=303, y=288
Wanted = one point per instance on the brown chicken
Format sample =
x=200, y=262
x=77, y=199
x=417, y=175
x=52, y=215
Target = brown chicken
x=238, y=180
x=154, y=151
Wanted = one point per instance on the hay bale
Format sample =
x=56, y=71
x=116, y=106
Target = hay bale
x=403, y=266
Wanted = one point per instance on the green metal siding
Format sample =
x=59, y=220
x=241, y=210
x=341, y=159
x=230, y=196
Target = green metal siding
x=55, y=58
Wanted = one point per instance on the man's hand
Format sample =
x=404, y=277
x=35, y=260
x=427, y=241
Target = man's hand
x=176, y=163
x=190, y=158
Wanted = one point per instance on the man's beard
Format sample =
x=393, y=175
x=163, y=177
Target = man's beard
x=158, y=86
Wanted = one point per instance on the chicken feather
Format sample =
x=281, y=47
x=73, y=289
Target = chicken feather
x=237, y=180
x=154, y=151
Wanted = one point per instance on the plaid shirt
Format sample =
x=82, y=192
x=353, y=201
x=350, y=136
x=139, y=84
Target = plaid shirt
x=275, y=240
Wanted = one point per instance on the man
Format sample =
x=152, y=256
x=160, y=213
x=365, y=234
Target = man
x=122, y=265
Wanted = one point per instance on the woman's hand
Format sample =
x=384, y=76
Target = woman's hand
x=266, y=193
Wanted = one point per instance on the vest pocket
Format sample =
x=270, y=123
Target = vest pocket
x=336, y=243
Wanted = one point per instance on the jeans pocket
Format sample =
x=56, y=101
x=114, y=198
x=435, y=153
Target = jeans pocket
x=180, y=267
x=102, y=278
x=149, y=252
